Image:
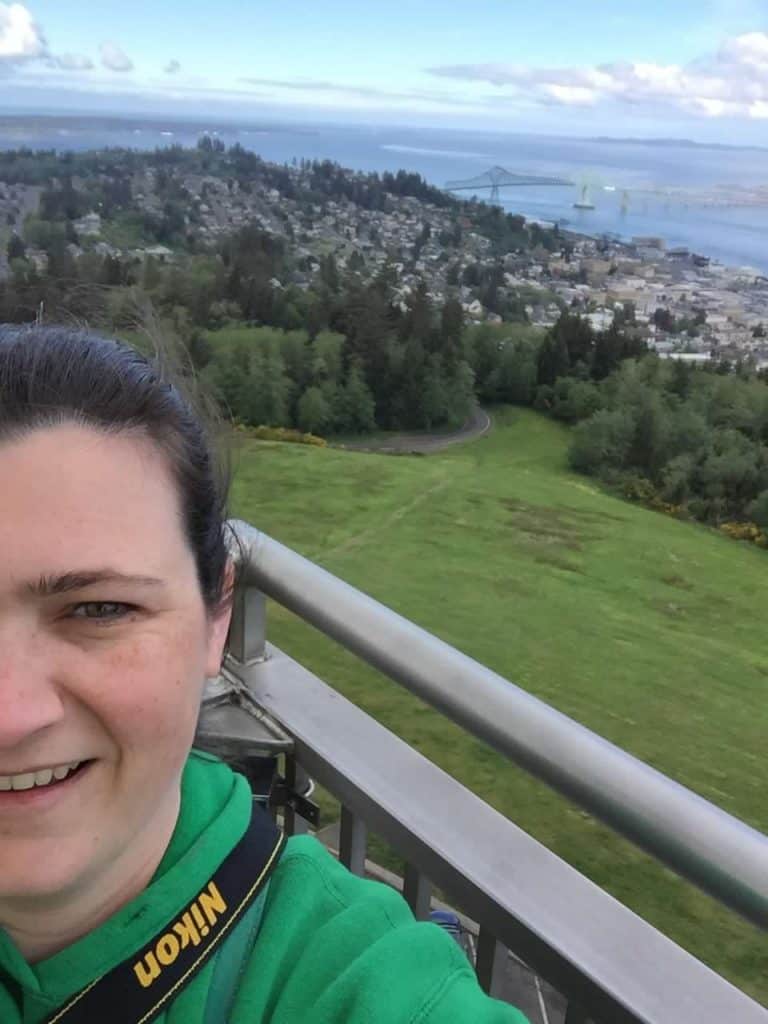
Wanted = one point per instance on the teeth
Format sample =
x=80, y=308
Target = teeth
x=44, y=777
x=26, y=781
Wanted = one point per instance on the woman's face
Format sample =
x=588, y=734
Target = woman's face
x=104, y=647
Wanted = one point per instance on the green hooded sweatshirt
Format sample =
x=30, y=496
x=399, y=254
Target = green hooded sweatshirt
x=331, y=948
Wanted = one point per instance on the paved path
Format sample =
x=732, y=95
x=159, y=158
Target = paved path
x=478, y=424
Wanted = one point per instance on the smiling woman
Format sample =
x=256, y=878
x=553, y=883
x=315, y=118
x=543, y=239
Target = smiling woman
x=137, y=882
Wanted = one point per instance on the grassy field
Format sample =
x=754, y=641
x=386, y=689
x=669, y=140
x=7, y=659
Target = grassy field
x=643, y=628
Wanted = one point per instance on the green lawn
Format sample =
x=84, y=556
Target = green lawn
x=643, y=628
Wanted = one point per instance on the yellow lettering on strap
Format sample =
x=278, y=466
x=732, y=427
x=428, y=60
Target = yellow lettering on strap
x=187, y=931
x=212, y=903
x=147, y=975
x=167, y=949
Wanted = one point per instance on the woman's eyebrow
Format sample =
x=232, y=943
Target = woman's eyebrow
x=63, y=583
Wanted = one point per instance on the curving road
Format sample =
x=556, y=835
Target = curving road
x=478, y=424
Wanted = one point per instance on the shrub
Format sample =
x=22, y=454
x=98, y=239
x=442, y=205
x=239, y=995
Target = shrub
x=286, y=434
x=745, y=531
x=600, y=444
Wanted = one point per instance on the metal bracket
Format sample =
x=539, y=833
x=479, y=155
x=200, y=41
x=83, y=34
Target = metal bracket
x=284, y=796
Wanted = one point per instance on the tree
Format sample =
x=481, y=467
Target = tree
x=758, y=510
x=418, y=320
x=552, y=360
x=664, y=320
x=578, y=337
x=647, y=449
x=461, y=393
x=329, y=272
x=575, y=399
x=601, y=443
x=435, y=399
x=516, y=374
x=452, y=321
x=264, y=392
x=607, y=354
x=356, y=407
x=16, y=249
x=313, y=414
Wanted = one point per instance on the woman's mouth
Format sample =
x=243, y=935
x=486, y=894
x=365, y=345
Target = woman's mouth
x=40, y=779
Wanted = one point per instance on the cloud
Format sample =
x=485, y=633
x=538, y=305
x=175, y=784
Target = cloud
x=114, y=58
x=731, y=82
x=70, y=62
x=365, y=92
x=313, y=86
x=172, y=67
x=21, y=38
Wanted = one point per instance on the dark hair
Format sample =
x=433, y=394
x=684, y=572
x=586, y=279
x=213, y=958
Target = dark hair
x=55, y=375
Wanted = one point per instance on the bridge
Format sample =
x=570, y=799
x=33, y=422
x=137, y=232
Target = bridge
x=498, y=177
x=548, y=938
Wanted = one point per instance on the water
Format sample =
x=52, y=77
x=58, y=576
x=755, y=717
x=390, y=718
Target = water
x=734, y=234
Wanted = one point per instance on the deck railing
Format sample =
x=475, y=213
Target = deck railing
x=610, y=965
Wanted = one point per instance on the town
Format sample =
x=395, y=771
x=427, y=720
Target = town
x=683, y=305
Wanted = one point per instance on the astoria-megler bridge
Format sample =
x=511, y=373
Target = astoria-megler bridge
x=498, y=177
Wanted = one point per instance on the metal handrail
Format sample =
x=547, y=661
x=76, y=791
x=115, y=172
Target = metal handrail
x=608, y=964
x=722, y=855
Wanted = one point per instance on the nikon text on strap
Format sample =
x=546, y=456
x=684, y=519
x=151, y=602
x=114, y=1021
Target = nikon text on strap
x=136, y=990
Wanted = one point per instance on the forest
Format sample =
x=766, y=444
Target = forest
x=349, y=353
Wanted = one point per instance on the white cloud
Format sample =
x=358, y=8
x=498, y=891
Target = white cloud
x=21, y=38
x=731, y=82
x=172, y=67
x=750, y=49
x=114, y=58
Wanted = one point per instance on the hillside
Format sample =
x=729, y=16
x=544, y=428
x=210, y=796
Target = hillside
x=641, y=627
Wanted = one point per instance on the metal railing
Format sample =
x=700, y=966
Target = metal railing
x=610, y=964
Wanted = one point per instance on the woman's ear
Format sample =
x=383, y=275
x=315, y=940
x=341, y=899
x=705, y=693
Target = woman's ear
x=218, y=624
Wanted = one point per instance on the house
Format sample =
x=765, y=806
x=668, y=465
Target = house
x=161, y=253
x=601, y=320
x=89, y=226
x=39, y=259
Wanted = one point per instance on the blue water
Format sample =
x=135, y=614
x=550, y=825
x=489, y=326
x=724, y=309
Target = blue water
x=735, y=235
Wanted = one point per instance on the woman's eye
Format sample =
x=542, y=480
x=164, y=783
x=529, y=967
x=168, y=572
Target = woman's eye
x=101, y=611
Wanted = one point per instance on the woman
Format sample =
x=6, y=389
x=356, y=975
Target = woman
x=121, y=853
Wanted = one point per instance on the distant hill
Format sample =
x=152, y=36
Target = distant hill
x=673, y=143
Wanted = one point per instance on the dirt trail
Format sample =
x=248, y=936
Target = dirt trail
x=372, y=531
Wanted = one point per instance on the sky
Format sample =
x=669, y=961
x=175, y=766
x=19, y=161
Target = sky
x=642, y=68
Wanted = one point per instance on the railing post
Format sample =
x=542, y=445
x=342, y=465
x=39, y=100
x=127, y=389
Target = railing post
x=575, y=1015
x=353, y=842
x=295, y=777
x=248, y=629
x=490, y=963
x=417, y=891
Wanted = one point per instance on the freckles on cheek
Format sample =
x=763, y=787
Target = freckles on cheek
x=147, y=693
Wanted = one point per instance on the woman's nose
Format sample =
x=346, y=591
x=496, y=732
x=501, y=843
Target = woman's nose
x=30, y=702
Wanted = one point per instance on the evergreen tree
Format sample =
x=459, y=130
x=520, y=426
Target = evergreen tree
x=435, y=404
x=461, y=393
x=452, y=322
x=608, y=352
x=552, y=361
x=418, y=319
x=16, y=250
